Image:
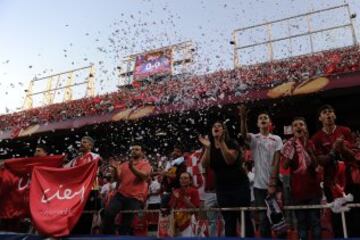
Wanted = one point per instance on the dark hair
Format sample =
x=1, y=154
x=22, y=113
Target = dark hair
x=226, y=133
x=298, y=118
x=144, y=148
x=190, y=176
x=263, y=112
x=325, y=107
x=43, y=147
x=136, y=144
x=179, y=146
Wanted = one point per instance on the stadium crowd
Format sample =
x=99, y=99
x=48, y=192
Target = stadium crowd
x=188, y=91
x=226, y=173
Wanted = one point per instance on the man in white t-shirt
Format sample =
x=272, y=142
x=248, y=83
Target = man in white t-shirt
x=265, y=148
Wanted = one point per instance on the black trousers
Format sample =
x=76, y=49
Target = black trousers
x=83, y=226
x=237, y=197
x=118, y=203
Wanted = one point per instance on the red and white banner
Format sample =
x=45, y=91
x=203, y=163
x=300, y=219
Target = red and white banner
x=58, y=197
x=15, y=180
x=193, y=166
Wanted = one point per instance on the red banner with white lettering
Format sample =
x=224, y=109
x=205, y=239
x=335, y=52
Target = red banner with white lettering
x=58, y=197
x=15, y=184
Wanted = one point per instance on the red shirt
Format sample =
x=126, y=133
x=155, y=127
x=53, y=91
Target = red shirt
x=183, y=219
x=130, y=185
x=324, y=141
x=86, y=158
x=333, y=174
x=191, y=193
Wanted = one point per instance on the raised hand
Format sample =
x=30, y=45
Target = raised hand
x=243, y=111
x=204, y=141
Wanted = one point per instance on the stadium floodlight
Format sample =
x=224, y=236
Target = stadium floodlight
x=65, y=82
x=301, y=34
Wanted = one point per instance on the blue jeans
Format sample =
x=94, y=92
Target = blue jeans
x=309, y=219
x=118, y=203
x=212, y=216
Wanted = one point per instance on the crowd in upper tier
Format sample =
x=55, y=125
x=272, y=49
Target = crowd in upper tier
x=192, y=89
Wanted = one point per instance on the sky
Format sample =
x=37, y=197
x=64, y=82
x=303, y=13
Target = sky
x=40, y=38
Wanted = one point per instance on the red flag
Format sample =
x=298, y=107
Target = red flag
x=22, y=166
x=15, y=184
x=58, y=197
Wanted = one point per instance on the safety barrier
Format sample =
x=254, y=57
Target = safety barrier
x=242, y=211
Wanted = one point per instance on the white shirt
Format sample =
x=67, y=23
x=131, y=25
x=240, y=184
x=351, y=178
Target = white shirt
x=105, y=189
x=153, y=188
x=263, y=149
x=86, y=158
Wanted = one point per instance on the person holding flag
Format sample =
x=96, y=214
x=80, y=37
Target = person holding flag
x=94, y=203
x=86, y=154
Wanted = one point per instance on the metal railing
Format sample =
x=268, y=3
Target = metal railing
x=242, y=211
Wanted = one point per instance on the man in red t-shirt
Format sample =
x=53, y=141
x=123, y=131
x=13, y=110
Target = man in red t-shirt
x=132, y=192
x=333, y=144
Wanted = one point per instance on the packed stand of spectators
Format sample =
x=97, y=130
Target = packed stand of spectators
x=263, y=170
x=188, y=91
x=305, y=169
